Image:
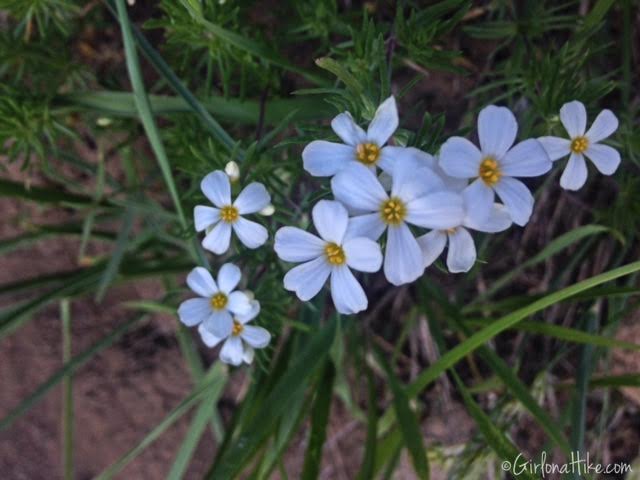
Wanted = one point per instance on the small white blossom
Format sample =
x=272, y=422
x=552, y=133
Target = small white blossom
x=494, y=166
x=232, y=170
x=217, y=302
x=324, y=159
x=418, y=197
x=330, y=255
x=227, y=216
x=239, y=345
x=579, y=145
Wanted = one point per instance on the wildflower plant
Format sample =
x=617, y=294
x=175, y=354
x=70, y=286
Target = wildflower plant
x=302, y=171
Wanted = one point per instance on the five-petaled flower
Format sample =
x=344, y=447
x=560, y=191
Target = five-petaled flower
x=227, y=215
x=324, y=159
x=417, y=197
x=582, y=144
x=239, y=345
x=494, y=166
x=217, y=302
x=330, y=255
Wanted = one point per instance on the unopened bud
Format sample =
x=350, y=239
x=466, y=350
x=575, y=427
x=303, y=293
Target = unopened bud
x=232, y=170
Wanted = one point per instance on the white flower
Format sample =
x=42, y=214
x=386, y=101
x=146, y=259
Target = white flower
x=324, y=159
x=226, y=216
x=331, y=254
x=417, y=197
x=495, y=164
x=232, y=170
x=240, y=343
x=217, y=302
x=462, y=250
x=580, y=144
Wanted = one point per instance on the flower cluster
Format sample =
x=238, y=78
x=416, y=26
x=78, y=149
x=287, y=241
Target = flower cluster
x=418, y=204
x=221, y=312
x=403, y=199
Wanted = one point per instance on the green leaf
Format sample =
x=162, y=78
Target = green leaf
x=144, y=108
x=67, y=396
x=460, y=351
x=408, y=421
x=597, y=13
x=495, y=438
x=319, y=421
x=555, y=246
x=238, y=455
x=368, y=461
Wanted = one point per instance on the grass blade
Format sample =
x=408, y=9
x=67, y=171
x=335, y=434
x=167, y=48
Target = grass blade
x=67, y=395
x=408, y=421
x=319, y=420
x=368, y=462
x=144, y=108
x=479, y=338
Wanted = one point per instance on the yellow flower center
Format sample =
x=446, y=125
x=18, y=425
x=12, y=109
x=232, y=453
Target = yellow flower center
x=450, y=231
x=219, y=301
x=335, y=254
x=237, y=328
x=368, y=153
x=393, y=211
x=489, y=171
x=579, y=144
x=229, y=214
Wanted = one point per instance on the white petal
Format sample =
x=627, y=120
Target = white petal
x=217, y=188
x=432, y=244
x=194, y=311
x=498, y=220
x=603, y=126
x=555, y=147
x=517, y=198
x=478, y=198
x=348, y=130
x=358, y=188
x=497, y=129
x=330, y=219
x=403, y=261
x=219, y=323
x=410, y=182
x=232, y=351
x=363, y=254
x=573, y=116
x=239, y=304
x=204, y=217
x=257, y=337
x=251, y=314
x=390, y=154
x=574, y=175
x=323, y=159
x=370, y=226
x=605, y=158
x=295, y=245
x=459, y=158
x=201, y=282
x=526, y=159
x=462, y=251
x=229, y=277
x=384, y=123
x=218, y=239
x=440, y=210
x=347, y=294
x=253, y=198
x=209, y=339
x=251, y=234
x=249, y=353
x=307, y=279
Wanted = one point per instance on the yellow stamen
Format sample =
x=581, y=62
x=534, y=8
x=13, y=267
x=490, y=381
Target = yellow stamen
x=219, y=301
x=335, y=254
x=489, y=171
x=237, y=328
x=450, y=231
x=393, y=211
x=229, y=213
x=579, y=144
x=368, y=153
